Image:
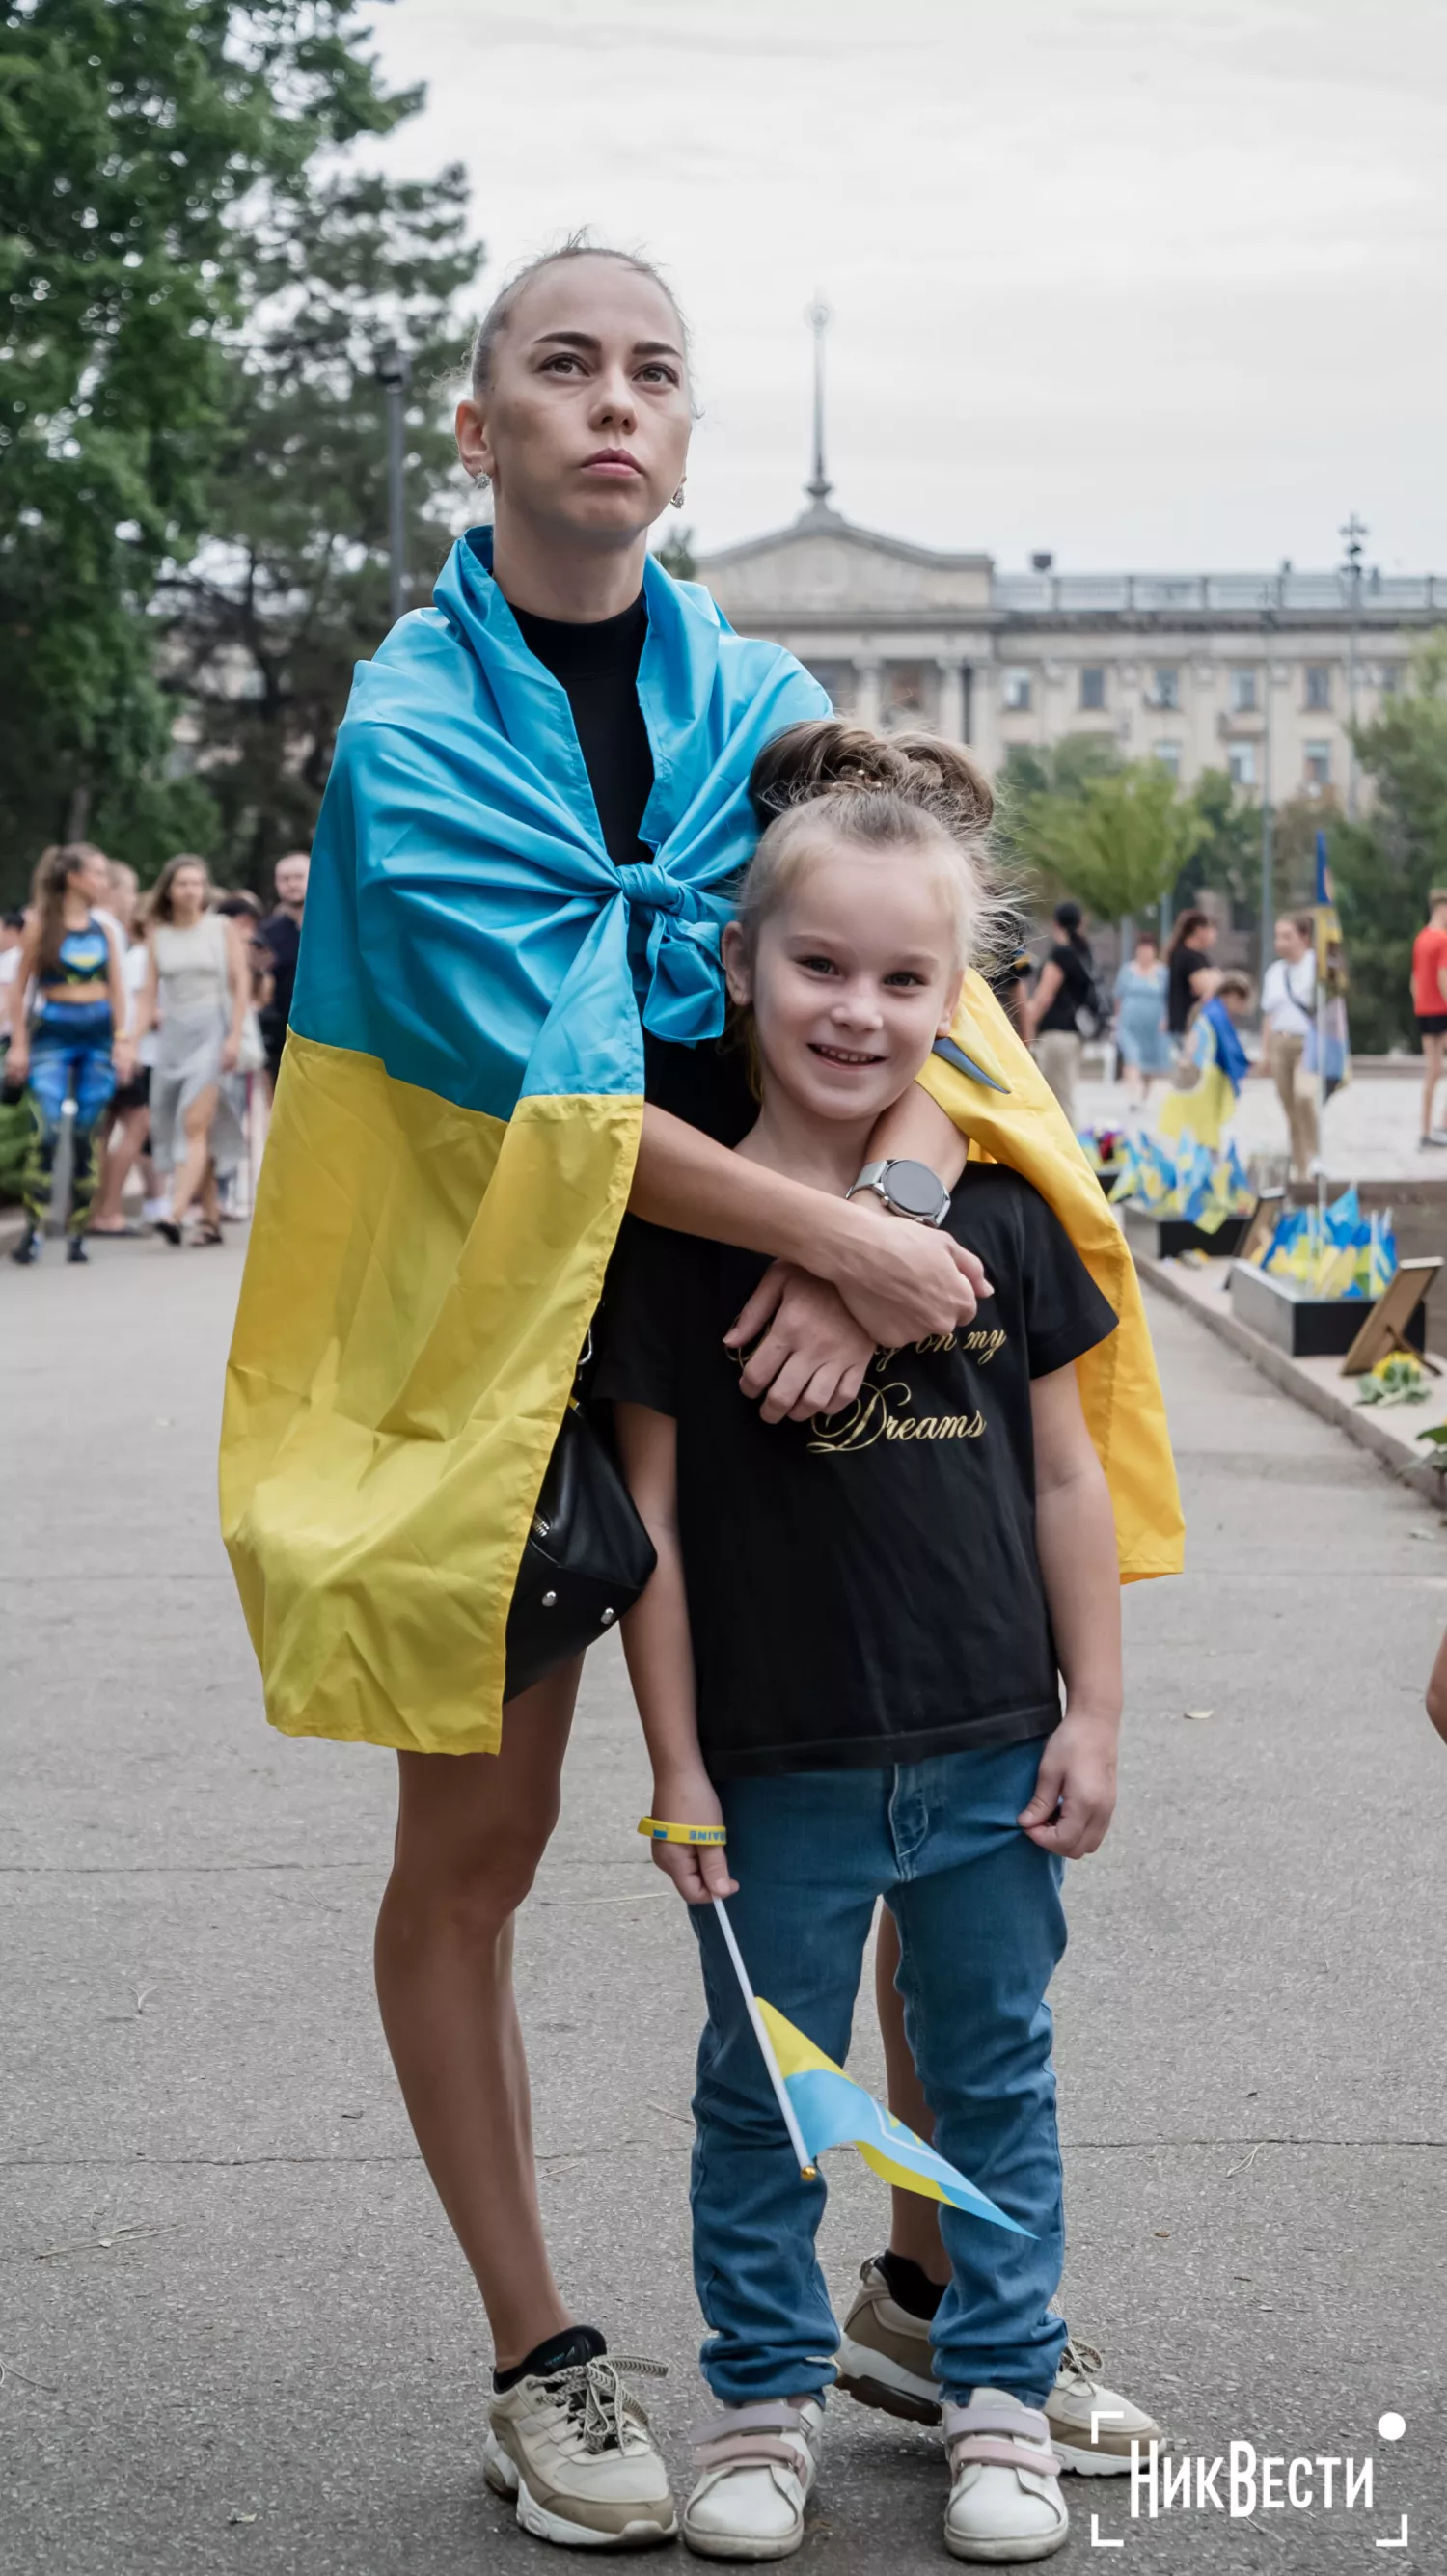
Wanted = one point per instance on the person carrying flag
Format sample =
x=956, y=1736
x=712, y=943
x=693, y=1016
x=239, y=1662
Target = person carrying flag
x=850, y=1653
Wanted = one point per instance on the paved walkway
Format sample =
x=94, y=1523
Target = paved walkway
x=234, y=2330
x=1370, y=1130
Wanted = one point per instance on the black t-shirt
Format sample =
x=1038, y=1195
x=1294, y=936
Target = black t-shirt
x=1076, y=986
x=280, y=936
x=1181, y=1001
x=597, y=665
x=862, y=1590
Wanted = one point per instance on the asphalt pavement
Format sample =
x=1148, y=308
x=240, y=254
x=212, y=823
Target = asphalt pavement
x=234, y=2330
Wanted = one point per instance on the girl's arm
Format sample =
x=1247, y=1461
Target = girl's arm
x=1074, y=1797
x=17, y=1063
x=659, y=1649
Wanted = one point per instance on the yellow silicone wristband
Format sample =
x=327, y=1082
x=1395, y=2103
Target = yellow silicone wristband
x=659, y=1832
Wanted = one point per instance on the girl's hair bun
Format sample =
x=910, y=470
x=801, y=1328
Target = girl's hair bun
x=827, y=755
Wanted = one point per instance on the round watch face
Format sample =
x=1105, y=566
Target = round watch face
x=914, y=1189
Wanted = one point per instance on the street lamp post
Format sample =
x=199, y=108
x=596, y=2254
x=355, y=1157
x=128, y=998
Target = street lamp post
x=1353, y=532
x=1268, y=853
x=394, y=367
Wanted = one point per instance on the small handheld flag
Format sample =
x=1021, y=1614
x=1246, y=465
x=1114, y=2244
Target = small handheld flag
x=822, y=2107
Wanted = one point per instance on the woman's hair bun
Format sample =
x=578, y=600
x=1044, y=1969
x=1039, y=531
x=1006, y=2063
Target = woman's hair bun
x=827, y=755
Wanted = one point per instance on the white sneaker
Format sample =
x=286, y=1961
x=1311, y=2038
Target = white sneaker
x=1005, y=2504
x=758, y=2463
x=576, y=2451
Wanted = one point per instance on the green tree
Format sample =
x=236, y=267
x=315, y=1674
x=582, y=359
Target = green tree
x=677, y=555
x=1385, y=865
x=266, y=623
x=131, y=132
x=1117, y=846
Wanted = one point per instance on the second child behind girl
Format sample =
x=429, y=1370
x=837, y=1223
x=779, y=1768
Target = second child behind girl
x=851, y=1655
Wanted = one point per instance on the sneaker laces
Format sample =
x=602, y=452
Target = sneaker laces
x=599, y=2404
x=1082, y=2363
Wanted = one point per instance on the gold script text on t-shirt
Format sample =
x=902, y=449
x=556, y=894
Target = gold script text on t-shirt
x=882, y=1408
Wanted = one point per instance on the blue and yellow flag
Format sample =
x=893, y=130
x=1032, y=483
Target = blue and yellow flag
x=833, y=2111
x=454, y=1136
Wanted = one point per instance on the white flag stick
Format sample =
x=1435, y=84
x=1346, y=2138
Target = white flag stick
x=808, y=2169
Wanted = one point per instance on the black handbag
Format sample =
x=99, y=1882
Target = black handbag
x=586, y=1560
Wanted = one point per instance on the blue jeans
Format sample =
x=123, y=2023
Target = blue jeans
x=981, y=1930
x=69, y=1057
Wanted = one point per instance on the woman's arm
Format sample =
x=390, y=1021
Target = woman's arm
x=1075, y=1541
x=239, y=985
x=147, y=997
x=659, y=1649
x=18, y=1061
x=1051, y=979
x=122, y=1045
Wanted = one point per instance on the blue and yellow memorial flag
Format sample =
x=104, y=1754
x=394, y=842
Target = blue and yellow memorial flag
x=453, y=1142
x=833, y=2111
x=1213, y=1067
x=1328, y=1049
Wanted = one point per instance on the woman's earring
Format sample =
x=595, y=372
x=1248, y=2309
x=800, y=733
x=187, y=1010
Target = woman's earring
x=678, y=498
x=481, y=480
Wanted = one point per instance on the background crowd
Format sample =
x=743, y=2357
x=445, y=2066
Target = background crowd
x=153, y=1027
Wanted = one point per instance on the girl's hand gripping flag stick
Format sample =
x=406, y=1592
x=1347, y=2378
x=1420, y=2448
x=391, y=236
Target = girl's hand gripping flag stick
x=808, y=2170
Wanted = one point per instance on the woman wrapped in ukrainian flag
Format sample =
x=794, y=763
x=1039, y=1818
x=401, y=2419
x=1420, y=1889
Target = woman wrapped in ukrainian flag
x=505, y=1032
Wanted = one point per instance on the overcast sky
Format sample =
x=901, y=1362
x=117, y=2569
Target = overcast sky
x=1149, y=283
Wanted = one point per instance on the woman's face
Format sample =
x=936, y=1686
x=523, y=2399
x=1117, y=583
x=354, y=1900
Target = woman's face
x=1205, y=936
x=188, y=893
x=93, y=879
x=1145, y=954
x=584, y=428
x=1289, y=942
x=852, y=979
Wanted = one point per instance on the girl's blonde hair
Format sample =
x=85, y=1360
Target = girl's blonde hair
x=825, y=781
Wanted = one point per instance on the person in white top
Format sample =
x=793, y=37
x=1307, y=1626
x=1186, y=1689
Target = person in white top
x=1288, y=1002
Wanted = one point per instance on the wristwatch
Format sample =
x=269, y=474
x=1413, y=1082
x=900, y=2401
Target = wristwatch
x=906, y=1189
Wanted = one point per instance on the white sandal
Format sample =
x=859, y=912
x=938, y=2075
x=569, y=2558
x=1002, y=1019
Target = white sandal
x=758, y=2464
x=1005, y=2504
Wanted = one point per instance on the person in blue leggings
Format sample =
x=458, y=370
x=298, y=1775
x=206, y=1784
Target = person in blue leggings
x=71, y=1043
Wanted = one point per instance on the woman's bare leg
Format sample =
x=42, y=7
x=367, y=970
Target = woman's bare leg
x=471, y=1829
x=914, y=2229
x=123, y=1145
x=191, y=1171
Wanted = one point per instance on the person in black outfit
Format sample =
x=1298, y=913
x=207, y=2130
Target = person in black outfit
x=1065, y=990
x=1190, y=968
x=278, y=940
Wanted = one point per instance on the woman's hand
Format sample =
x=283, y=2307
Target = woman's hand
x=230, y=1049
x=810, y=1355
x=1074, y=1797
x=17, y=1060
x=123, y=1058
x=699, y=1871
x=902, y=1282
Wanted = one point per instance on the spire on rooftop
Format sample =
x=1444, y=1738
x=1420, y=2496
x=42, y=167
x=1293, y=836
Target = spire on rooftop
x=819, y=486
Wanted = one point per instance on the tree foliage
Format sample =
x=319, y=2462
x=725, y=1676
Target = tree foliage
x=132, y=133
x=290, y=589
x=1386, y=865
x=1117, y=845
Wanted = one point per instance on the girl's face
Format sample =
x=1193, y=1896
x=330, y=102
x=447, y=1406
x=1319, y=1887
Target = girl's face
x=584, y=428
x=852, y=979
x=188, y=894
x=92, y=879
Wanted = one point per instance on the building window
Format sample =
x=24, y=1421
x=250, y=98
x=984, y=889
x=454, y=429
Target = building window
x=1092, y=687
x=1318, y=766
x=1318, y=686
x=1241, y=762
x=911, y=697
x=1244, y=697
x=1390, y=679
x=1015, y=694
x=1165, y=687
x=1169, y=756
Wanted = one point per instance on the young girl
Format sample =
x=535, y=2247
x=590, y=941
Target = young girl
x=74, y=1044
x=850, y=1655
